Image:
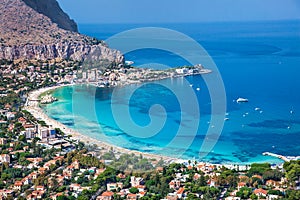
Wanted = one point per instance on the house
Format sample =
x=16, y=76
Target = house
x=5, y=158
x=18, y=185
x=174, y=184
x=135, y=181
x=159, y=169
x=172, y=196
x=114, y=186
x=40, y=188
x=42, y=170
x=211, y=182
x=22, y=120
x=26, y=181
x=33, y=175
x=55, y=196
x=3, y=141
x=142, y=194
x=75, y=187
x=271, y=183
x=241, y=184
x=35, y=161
x=69, y=169
x=141, y=188
x=180, y=192
x=272, y=197
x=131, y=196
x=257, y=176
x=196, y=176
x=260, y=192
x=108, y=195
x=10, y=115
x=232, y=198
x=6, y=193
x=121, y=176
x=76, y=164
x=37, y=194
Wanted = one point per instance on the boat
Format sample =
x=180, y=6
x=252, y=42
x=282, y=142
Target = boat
x=241, y=100
x=226, y=119
x=198, y=89
x=129, y=62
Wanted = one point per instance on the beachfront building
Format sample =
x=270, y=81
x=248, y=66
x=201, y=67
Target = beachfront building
x=30, y=131
x=46, y=133
x=182, y=71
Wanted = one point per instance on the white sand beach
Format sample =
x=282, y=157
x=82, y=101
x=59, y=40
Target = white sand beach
x=32, y=106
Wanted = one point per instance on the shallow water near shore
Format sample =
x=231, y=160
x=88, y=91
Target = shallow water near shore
x=257, y=61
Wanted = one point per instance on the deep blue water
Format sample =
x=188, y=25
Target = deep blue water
x=256, y=60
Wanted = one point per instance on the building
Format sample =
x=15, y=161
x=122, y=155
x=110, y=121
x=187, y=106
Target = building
x=46, y=133
x=30, y=131
x=5, y=158
x=6, y=193
x=3, y=141
x=18, y=185
x=114, y=186
x=180, y=193
x=241, y=185
x=136, y=181
x=106, y=196
x=260, y=192
x=182, y=71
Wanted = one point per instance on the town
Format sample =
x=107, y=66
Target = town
x=39, y=161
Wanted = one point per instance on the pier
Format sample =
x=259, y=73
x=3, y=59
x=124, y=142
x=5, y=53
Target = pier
x=284, y=158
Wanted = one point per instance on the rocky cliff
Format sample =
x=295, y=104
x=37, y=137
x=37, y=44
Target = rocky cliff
x=29, y=31
x=51, y=9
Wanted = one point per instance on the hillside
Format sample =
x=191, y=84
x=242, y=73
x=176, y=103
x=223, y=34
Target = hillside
x=51, y=9
x=32, y=29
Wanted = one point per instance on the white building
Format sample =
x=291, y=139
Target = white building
x=136, y=181
x=46, y=133
x=182, y=71
x=5, y=158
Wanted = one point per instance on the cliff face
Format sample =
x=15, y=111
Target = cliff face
x=26, y=33
x=51, y=9
x=72, y=51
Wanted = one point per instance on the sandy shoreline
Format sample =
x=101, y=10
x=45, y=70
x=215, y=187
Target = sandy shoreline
x=32, y=106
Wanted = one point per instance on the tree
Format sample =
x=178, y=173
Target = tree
x=134, y=190
x=22, y=138
x=244, y=193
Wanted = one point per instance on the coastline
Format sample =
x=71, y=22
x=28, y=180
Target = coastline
x=32, y=106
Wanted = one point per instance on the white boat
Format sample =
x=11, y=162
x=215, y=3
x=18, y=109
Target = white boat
x=198, y=89
x=257, y=109
x=226, y=119
x=241, y=100
x=129, y=62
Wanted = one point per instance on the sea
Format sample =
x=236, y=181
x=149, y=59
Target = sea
x=258, y=61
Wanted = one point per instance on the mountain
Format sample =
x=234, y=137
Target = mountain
x=51, y=9
x=40, y=30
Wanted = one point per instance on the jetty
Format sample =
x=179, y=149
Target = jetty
x=284, y=158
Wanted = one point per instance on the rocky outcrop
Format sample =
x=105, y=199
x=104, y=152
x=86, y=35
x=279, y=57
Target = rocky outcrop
x=26, y=33
x=72, y=51
x=51, y=9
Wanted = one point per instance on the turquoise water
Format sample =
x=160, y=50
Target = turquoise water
x=258, y=61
